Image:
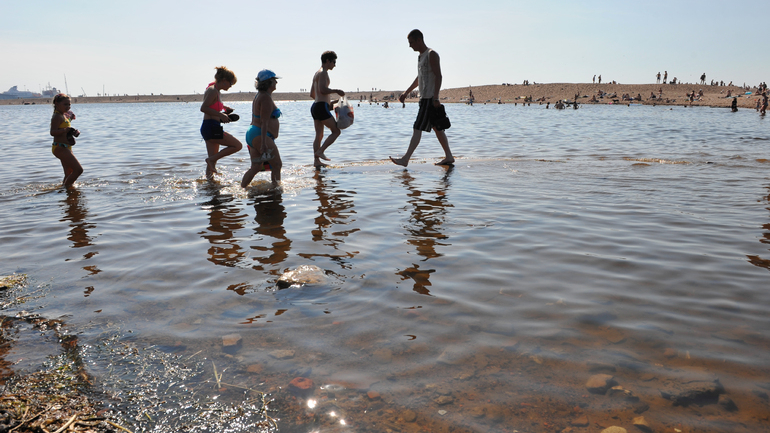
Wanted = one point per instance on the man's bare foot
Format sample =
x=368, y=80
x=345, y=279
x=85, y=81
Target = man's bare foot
x=399, y=161
x=319, y=164
x=322, y=156
x=446, y=161
x=211, y=165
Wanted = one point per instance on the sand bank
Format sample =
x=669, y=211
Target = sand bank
x=713, y=96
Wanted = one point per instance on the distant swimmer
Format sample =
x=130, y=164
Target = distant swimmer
x=261, y=135
x=321, y=108
x=734, y=104
x=429, y=82
x=64, y=138
x=214, y=114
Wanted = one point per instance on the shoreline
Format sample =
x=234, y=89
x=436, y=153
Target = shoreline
x=673, y=94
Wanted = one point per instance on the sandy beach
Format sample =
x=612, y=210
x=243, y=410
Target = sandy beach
x=713, y=96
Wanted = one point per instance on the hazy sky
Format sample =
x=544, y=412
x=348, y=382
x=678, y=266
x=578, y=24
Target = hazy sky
x=172, y=47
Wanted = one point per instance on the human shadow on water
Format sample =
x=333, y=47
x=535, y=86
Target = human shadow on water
x=756, y=260
x=270, y=247
x=335, y=210
x=75, y=212
x=224, y=220
x=424, y=228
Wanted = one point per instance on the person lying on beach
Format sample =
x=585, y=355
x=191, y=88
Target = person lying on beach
x=260, y=138
x=64, y=138
x=214, y=114
x=429, y=82
x=321, y=108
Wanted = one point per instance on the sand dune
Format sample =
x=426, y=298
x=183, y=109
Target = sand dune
x=713, y=96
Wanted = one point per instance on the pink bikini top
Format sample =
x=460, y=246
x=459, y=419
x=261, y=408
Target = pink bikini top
x=219, y=106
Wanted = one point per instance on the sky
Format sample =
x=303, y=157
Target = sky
x=172, y=47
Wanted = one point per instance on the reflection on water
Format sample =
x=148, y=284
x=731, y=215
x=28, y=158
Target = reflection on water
x=272, y=246
x=428, y=212
x=335, y=212
x=225, y=218
x=755, y=259
x=76, y=213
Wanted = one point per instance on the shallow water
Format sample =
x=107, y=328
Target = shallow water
x=624, y=240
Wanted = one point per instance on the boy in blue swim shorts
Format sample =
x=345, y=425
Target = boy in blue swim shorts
x=321, y=108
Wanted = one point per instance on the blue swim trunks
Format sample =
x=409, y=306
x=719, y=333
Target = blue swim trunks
x=211, y=129
x=320, y=111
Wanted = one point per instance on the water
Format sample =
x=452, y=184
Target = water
x=624, y=240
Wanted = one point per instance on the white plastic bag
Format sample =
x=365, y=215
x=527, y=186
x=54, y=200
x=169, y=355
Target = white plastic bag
x=344, y=112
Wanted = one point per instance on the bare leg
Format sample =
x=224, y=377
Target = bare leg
x=319, y=135
x=211, y=165
x=404, y=160
x=335, y=132
x=231, y=144
x=275, y=165
x=70, y=164
x=252, y=171
x=448, y=158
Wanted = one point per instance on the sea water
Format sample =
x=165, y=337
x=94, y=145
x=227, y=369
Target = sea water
x=629, y=241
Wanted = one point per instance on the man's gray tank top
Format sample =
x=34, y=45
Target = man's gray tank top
x=426, y=80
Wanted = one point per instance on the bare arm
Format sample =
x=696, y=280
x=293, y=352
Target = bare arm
x=407, y=91
x=435, y=66
x=265, y=110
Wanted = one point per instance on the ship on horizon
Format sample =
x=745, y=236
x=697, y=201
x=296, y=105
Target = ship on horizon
x=15, y=93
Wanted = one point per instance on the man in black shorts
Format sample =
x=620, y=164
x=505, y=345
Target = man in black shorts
x=321, y=108
x=429, y=82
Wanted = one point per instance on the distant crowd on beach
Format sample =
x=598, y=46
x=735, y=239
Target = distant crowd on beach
x=264, y=126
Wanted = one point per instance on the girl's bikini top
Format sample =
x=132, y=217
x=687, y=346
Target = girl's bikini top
x=66, y=123
x=218, y=105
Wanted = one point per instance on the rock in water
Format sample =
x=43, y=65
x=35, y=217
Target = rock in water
x=231, y=343
x=697, y=392
x=600, y=383
x=303, y=274
x=301, y=386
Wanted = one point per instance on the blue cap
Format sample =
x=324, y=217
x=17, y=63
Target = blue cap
x=266, y=74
